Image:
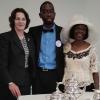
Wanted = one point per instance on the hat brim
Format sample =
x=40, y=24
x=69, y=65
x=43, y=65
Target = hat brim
x=92, y=38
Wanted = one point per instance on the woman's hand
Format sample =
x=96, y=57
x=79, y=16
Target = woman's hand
x=14, y=89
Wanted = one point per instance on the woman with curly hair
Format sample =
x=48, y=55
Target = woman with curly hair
x=17, y=57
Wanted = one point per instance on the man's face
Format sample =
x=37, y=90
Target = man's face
x=47, y=14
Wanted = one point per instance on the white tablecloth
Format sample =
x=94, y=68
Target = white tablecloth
x=85, y=96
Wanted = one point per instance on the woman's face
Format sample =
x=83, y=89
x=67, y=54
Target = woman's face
x=80, y=32
x=20, y=21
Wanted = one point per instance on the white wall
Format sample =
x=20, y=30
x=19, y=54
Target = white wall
x=64, y=10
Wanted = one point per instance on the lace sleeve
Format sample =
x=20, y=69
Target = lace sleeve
x=93, y=60
x=67, y=47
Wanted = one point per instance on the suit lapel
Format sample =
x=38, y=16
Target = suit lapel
x=57, y=33
x=58, y=30
x=16, y=40
x=38, y=38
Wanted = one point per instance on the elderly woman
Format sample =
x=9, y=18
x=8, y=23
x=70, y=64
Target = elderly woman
x=16, y=57
x=80, y=55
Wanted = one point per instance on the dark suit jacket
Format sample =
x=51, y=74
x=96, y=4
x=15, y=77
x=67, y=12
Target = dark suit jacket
x=12, y=59
x=36, y=33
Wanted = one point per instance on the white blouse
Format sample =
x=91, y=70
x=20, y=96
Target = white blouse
x=80, y=64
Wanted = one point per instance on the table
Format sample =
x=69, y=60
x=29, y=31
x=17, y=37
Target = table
x=85, y=96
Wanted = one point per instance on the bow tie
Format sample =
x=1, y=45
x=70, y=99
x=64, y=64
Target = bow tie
x=44, y=30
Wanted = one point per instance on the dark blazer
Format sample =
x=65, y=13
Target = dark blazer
x=36, y=33
x=12, y=59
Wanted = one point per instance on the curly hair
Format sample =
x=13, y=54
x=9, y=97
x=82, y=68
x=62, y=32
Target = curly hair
x=13, y=16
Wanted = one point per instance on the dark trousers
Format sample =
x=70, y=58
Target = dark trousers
x=5, y=93
x=45, y=82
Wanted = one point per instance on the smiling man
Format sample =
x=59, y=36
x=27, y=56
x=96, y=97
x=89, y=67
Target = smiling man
x=49, y=58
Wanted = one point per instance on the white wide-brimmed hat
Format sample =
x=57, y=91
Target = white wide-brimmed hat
x=79, y=19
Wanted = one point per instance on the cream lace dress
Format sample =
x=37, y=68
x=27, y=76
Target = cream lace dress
x=80, y=64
